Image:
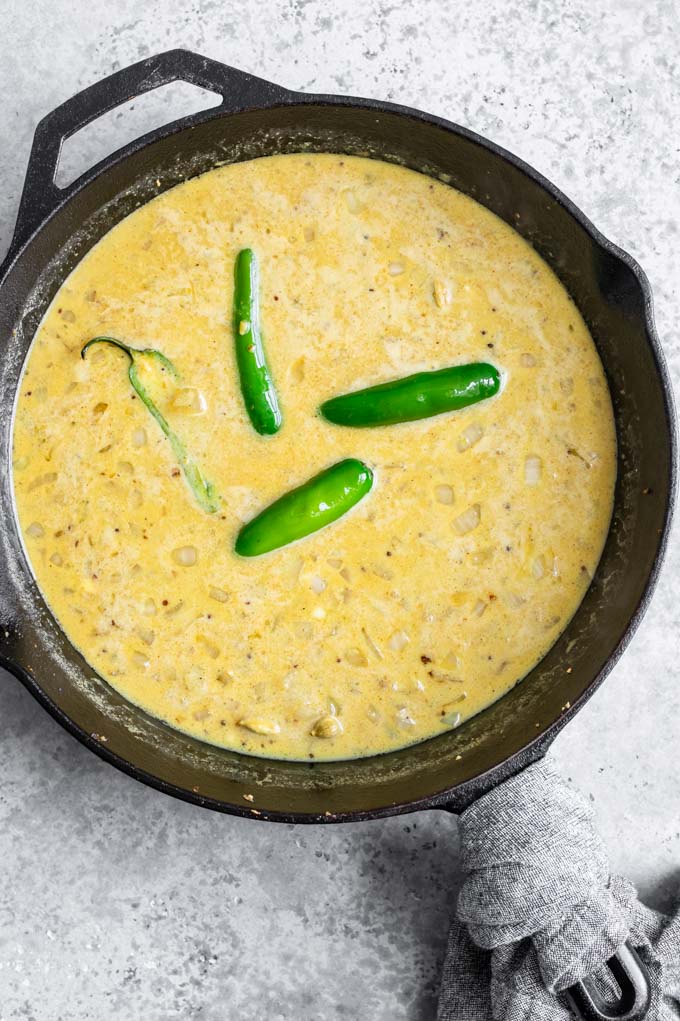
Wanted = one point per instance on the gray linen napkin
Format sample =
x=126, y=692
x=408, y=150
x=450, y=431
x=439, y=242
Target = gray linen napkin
x=539, y=910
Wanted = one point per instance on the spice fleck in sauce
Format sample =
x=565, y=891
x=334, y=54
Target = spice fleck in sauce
x=430, y=598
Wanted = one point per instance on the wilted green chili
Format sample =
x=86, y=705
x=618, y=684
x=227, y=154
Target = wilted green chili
x=304, y=510
x=203, y=491
x=412, y=397
x=257, y=387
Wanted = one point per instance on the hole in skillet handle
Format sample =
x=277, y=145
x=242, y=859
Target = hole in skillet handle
x=632, y=978
x=41, y=194
x=122, y=125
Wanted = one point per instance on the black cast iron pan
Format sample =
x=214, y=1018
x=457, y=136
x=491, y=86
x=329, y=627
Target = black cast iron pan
x=56, y=227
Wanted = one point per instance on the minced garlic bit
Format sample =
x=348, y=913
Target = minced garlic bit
x=326, y=727
x=243, y=326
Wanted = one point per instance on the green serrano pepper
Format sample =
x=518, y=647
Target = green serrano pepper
x=304, y=510
x=419, y=396
x=203, y=491
x=257, y=387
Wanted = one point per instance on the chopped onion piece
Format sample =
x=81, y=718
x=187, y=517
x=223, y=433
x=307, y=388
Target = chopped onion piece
x=533, y=468
x=450, y=661
x=528, y=360
x=258, y=725
x=211, y=649
x=218, y=594
x=297, y=370
x=35, y=530
x=468, y=520
x=470, y=436
x=395, y=269
x=444, y=494
x=538, y=567
x=125, y=468
x=405, y=718
x=371, y=644
x=149, y=607
x=398, y=641
x=355, y=657
x=43, y=480
x=352, y=202
x=190, y=401
x=56, y=560
x=140, y=659
x=317, y=584
x=147, y=636
x=139, y=438
x=479, y=608
x=293, y=569
x=441, y=292
x=185, y=556
x=451, y=717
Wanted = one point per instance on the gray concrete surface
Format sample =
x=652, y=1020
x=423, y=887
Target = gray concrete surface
x=118, y=903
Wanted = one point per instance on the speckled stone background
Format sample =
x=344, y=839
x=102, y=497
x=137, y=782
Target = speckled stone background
x=119, y=904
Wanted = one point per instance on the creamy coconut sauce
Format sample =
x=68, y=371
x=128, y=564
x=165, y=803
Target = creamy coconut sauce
x=437, y=592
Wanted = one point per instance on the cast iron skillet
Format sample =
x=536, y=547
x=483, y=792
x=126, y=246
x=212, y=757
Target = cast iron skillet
x=56, y=227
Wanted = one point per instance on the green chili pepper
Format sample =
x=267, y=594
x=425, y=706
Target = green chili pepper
x=203, y=491
x=419, y=396
x=257, y=387
x=304, y=510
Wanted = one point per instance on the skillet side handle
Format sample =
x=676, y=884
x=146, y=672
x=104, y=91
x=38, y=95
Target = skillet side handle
x=41, y=195
x=632, y=978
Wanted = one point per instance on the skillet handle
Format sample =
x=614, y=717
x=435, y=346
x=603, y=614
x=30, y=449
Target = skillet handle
x=41, y=196
x=632, y=978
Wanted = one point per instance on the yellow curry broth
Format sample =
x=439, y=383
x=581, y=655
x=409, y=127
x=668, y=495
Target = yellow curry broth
x=434, y=595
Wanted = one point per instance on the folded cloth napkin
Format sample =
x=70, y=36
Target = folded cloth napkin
x=538, y=910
